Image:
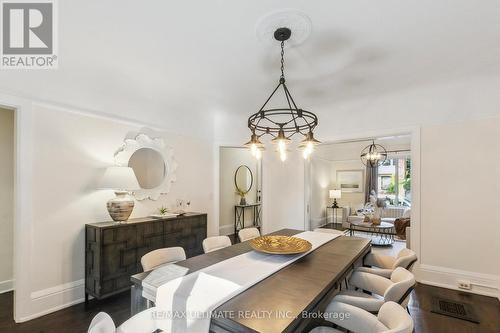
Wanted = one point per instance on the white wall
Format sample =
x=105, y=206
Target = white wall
x=283, y=191
x=320, y=184
x=69, y=153
x=460, y=193
x=6, y=199
x=230, y=159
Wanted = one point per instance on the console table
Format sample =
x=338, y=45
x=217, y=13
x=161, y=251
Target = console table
x=239, y=216
x=113, y=250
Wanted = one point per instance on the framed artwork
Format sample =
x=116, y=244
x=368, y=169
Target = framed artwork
x=351, y=181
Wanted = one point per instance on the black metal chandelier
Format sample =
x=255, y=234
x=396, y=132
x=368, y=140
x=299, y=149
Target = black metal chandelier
x=282, y=123
x=373, y=155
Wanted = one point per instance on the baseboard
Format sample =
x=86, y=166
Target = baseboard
x=53, y=299
x=482, y=284
x=48, y=311
x=226, y=230
x=6, y=286
x=57, y=289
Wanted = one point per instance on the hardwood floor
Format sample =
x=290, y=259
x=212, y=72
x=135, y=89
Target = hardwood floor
x=76, y=319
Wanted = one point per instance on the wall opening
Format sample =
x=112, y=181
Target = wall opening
x=230, y=159
x=7, y=165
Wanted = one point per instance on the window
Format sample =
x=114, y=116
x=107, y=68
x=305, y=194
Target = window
x=394, y=181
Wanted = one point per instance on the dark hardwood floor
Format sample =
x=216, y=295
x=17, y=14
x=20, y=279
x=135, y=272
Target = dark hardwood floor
x=76, y=319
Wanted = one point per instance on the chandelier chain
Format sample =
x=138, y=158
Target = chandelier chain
x=282, y=59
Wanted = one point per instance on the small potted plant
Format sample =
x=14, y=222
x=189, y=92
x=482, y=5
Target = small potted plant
x=162, y=210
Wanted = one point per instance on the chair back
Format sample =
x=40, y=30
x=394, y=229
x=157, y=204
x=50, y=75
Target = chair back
x=102, y=323
x=405, y=258
x=215, y=243
x=142, y=322
x=402, y=283
x=395, y=318
x=159, y=257
x=329, y=231
x=248, y=233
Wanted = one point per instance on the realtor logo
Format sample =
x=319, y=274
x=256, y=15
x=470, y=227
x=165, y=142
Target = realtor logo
x=28, y=35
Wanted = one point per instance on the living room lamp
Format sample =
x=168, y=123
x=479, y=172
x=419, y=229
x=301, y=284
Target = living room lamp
x=335, y=194
x=121, y=180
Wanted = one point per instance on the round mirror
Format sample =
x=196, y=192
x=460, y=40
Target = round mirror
x=149, y=167
x=243, y=179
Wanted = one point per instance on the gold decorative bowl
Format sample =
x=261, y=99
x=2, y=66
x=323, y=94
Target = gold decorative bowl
x=280, y=245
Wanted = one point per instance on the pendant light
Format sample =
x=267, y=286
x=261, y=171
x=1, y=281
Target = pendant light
x=284, y=122
x=373, y=155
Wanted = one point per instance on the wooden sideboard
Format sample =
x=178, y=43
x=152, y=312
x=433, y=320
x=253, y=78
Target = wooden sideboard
x=113, y=250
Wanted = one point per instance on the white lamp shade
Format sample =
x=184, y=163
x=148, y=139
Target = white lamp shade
x=119, y=178
x=335, y=194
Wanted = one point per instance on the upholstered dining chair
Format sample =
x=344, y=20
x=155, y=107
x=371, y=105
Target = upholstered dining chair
x=396, y=289
x=215, y=243
x=248, y=233
x=391, y=318
x=143, y=322
x=329, y=231
x=384, y=265
x=159, y=257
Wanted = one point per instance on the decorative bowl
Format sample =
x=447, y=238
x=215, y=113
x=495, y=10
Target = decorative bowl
x=280, y=245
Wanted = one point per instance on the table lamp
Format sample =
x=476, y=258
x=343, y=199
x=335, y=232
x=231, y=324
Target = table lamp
x=335, y=194
x=121, y=180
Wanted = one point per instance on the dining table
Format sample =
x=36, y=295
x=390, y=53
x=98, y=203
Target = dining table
x=290, y=300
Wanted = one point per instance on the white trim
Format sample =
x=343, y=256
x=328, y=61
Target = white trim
x=482, y=284
x=23, y=227
x=6, y=286
x=57, y=289
x=55, y=298
x=50, y=310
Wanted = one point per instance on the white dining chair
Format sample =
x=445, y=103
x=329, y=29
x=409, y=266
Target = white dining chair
x=329, y=231
x=143, y=322
x=384, y=265
x=391, y=318
x=396, y=289
x=215, y=243
x=248, y=233
x=159, y=257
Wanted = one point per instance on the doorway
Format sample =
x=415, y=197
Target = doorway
x=335, y=172
x=7, y=164
x=237, y=165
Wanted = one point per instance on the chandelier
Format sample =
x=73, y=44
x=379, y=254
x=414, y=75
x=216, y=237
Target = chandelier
x=373, y=155
x=284, y=122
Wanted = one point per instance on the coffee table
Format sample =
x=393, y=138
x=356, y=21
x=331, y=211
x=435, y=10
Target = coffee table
x=384, y=230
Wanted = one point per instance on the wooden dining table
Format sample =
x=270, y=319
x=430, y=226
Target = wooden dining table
x=288, y=300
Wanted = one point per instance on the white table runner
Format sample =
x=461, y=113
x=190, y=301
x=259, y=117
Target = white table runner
x=185, y=304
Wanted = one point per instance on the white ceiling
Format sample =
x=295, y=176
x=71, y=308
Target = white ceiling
x=144, y=59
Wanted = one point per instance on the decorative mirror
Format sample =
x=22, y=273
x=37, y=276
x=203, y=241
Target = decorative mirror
x=243, y=180
x=153, y=163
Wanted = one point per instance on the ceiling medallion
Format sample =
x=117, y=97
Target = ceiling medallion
x=373, y=155
x=282, y=123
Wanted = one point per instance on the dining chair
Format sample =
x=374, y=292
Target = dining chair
x=143, y=322
x=384, y=265
x=396, y=289
x=391, y=318
x=329, y=231
x=248, y=233
x=215, y=243
x=159, y=257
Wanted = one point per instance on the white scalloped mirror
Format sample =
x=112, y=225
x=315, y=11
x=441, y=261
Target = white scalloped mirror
x=153, y=163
